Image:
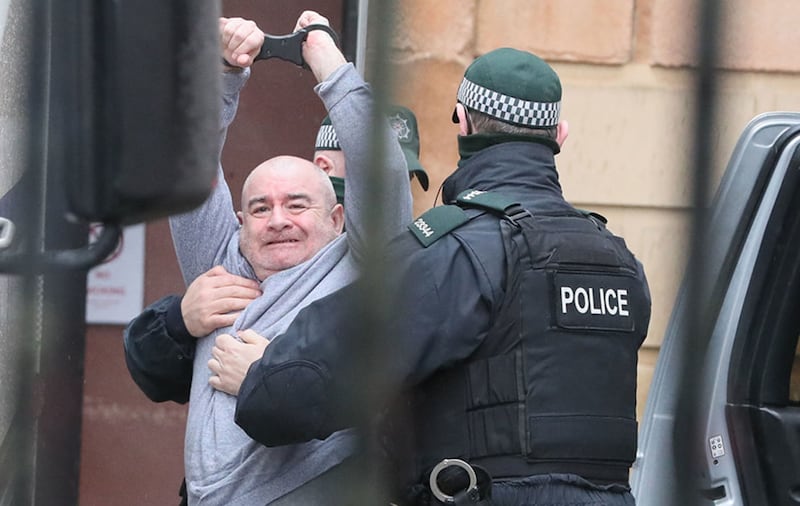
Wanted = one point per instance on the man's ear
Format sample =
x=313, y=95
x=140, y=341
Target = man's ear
x=337, y=214
x=463, y=122
x=324, y=163
x=562, y=131
x=240, y=217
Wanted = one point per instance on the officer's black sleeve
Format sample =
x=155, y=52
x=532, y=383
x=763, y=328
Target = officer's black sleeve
x=159, y=351
x=292, y=395
x=310, y=379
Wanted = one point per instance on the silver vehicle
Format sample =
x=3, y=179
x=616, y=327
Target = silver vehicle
x=722, y=422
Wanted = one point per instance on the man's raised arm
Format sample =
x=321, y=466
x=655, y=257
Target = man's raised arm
x=349, y=101
x=205, y=237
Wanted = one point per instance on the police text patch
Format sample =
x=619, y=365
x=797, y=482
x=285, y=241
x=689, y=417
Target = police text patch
x=593, y=301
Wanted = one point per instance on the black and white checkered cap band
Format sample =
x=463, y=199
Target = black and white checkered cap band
x=326, y=138
x=506, y=108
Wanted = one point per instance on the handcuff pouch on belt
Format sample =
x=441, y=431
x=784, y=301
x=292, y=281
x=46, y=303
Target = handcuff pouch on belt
x=454, y=482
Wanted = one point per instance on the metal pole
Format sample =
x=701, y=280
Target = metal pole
x=375, y=35
x=40, y=457
x=690, y=451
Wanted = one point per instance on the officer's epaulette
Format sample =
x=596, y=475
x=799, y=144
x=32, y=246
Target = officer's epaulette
x=436, y=223
x=440, y=221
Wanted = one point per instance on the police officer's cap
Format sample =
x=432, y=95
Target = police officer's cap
x=513, y=86
x=404, y=124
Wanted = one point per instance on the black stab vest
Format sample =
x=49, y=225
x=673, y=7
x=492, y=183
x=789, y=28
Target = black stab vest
x=552, y=389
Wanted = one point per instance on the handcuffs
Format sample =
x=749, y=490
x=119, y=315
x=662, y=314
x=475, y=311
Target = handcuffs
x=6, y=232
x=475, y=493
x=290, y=47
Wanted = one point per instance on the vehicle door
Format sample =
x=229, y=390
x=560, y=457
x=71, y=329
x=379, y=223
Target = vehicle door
x=722, y=421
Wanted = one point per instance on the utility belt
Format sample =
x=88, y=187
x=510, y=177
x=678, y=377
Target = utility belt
x=511, y=466
x=456, y=482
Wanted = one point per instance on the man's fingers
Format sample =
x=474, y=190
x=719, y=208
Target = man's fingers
x=222, y=344
x=218, y=284
x=216, y=356
x=319, y=49
x=228, y=363
x=241, y=40
x=235, y=32
x=227, y=27
x=245, y=42
x=224, y=320
x=245, y=282
x=216, y=293
x=310, y=18
x=225, y=305
x=250, y=336
x=235, y=292
x=302, y=21
x=233, y=280
x=222, y=278
x=223, y=341
x=217, y=270
x=217, y=384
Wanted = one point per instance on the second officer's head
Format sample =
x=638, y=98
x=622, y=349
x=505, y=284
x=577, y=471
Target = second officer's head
x=511, y=92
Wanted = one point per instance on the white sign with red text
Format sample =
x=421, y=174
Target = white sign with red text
x=115, y=288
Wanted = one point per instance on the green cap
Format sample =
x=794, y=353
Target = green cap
x=404, y=124
x=513, y=86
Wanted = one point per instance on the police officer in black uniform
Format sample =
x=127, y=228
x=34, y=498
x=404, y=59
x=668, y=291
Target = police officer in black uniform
x=519, y=317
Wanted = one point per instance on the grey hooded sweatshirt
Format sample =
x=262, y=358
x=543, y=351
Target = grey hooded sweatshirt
x=224, y=467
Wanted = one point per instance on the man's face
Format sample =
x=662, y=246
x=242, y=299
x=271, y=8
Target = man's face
x=288, y=215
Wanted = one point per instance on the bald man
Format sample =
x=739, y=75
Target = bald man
x=288, y=237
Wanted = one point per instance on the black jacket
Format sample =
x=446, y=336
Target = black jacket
x=159, y=351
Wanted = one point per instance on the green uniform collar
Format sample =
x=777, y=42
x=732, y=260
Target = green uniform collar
x=338, y=188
